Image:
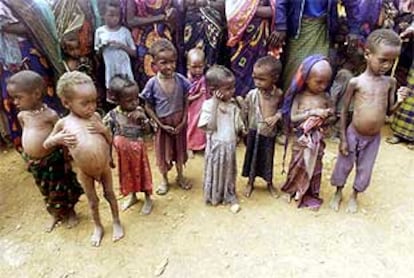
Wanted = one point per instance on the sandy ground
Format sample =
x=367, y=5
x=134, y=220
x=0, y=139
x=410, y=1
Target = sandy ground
x=185, y=238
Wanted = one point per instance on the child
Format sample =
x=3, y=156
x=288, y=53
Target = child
x=196, y=138
x=262, y=107
x=88, y=141
x=116, y=45
x=166, y=103
x=221, y=118
x=51, y=171
x=307, y=107
x=129, y=124
x=372, y=95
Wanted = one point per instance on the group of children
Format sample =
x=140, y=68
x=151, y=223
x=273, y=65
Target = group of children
x=201, y=112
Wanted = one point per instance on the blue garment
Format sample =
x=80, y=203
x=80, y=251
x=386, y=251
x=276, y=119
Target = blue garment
x=315, y=8
x=289, y=15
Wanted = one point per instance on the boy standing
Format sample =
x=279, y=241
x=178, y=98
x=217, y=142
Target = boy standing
x=372, y=94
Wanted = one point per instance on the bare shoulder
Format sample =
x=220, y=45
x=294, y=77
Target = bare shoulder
x=51, y=115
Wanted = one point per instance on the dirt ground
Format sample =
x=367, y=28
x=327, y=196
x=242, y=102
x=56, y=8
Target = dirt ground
x=186, y=238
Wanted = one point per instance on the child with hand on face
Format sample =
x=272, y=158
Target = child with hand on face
x=221, y=119
x=88, y=140
x=129, y=125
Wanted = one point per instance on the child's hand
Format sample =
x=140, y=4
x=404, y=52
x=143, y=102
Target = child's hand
x=96, y=127
x=343, y=148
x=272, y=121
x=137, y=115
x=65, y=138
x=168, y=129
x=323, y=113
x=219, y=95
x=116, y=44
x=403, y=93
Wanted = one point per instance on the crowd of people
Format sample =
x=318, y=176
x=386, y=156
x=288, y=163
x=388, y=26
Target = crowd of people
x=81, y=78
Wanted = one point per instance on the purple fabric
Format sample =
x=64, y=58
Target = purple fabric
x=363, y=151
x=164, y=104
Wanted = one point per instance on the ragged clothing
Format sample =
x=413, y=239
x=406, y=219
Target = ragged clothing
x=56, y=182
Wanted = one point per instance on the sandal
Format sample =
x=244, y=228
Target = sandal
x=184, y=183
x=162, y=189
x=393, y=140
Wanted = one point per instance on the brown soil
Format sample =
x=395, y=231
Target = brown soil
x=186, y=238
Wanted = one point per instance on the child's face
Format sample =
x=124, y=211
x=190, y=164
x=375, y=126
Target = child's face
x=165, y=61
x=263, y=79
x=71, y=48
x=128, y=100
x=83, y=100
x=382, y=59
x=319, y=78
x=227, y=89
x=24, y=100
x=112, y=16
x=195, y=66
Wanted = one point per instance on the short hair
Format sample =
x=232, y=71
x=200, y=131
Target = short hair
x=27, y=81
x=118, y=84
x=383, y=36
x=112, y=4
x=196, y=51
x=161, y=45
x=216, y=75
x=274, y=65
x=66, y=82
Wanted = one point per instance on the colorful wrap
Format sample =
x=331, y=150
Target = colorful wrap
x=56, y=182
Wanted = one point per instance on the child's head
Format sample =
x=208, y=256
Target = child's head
x=382, y=48
x=266, y=72
x=125, y=91
x=71, y=45
x=112, y=14
x=26, y=88
x=164, y=56
x=319, y=77
x=195, y=62
x=77, y=93
x=220, y=78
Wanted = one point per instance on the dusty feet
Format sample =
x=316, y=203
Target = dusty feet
x=184, y=183
x=248, y=190
x=393, y=140
x=147, y=207
x=272, y=190
x=97, y=236
x=72, y=219
x=352, y=205
x=190, y=154
x=235, y=208
x=129, y=203
x=336, y=201
x=162, y=188
x=118, y=232
x=51, y=224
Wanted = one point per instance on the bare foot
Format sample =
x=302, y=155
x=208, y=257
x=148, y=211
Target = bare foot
x=272, y=190
x=190, y=154
x=97, y=236
x=118, y=232
x=51, y=224
x=288, y=197
x=336, y=201
x=248, y=190
x=147, y=207
x=72, y=219
x=129, y=203
x=184, y=183
x=235, y=208
x=352, y=205
x=162, y=189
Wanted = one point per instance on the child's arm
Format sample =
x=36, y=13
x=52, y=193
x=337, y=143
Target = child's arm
x=97, y=127
x=349, y=94
x=184, y=120
x=135, y=21
x=195, y=96
x=59, y=136
x=264, y=12
x=150, y=111
x=297, y=116
x=131, y=52
x=212, y=123
x=402, y=94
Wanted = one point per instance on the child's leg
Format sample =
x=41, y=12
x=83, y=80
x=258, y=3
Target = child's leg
x=109, y=195
x=72, y=219
x=93, y=200
x=336, y=199
x=147, y=207
x=364, y=166
x=249, y=188
x=130, y=202
x=272, y=190
x=163, y=187
x=181, y=180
